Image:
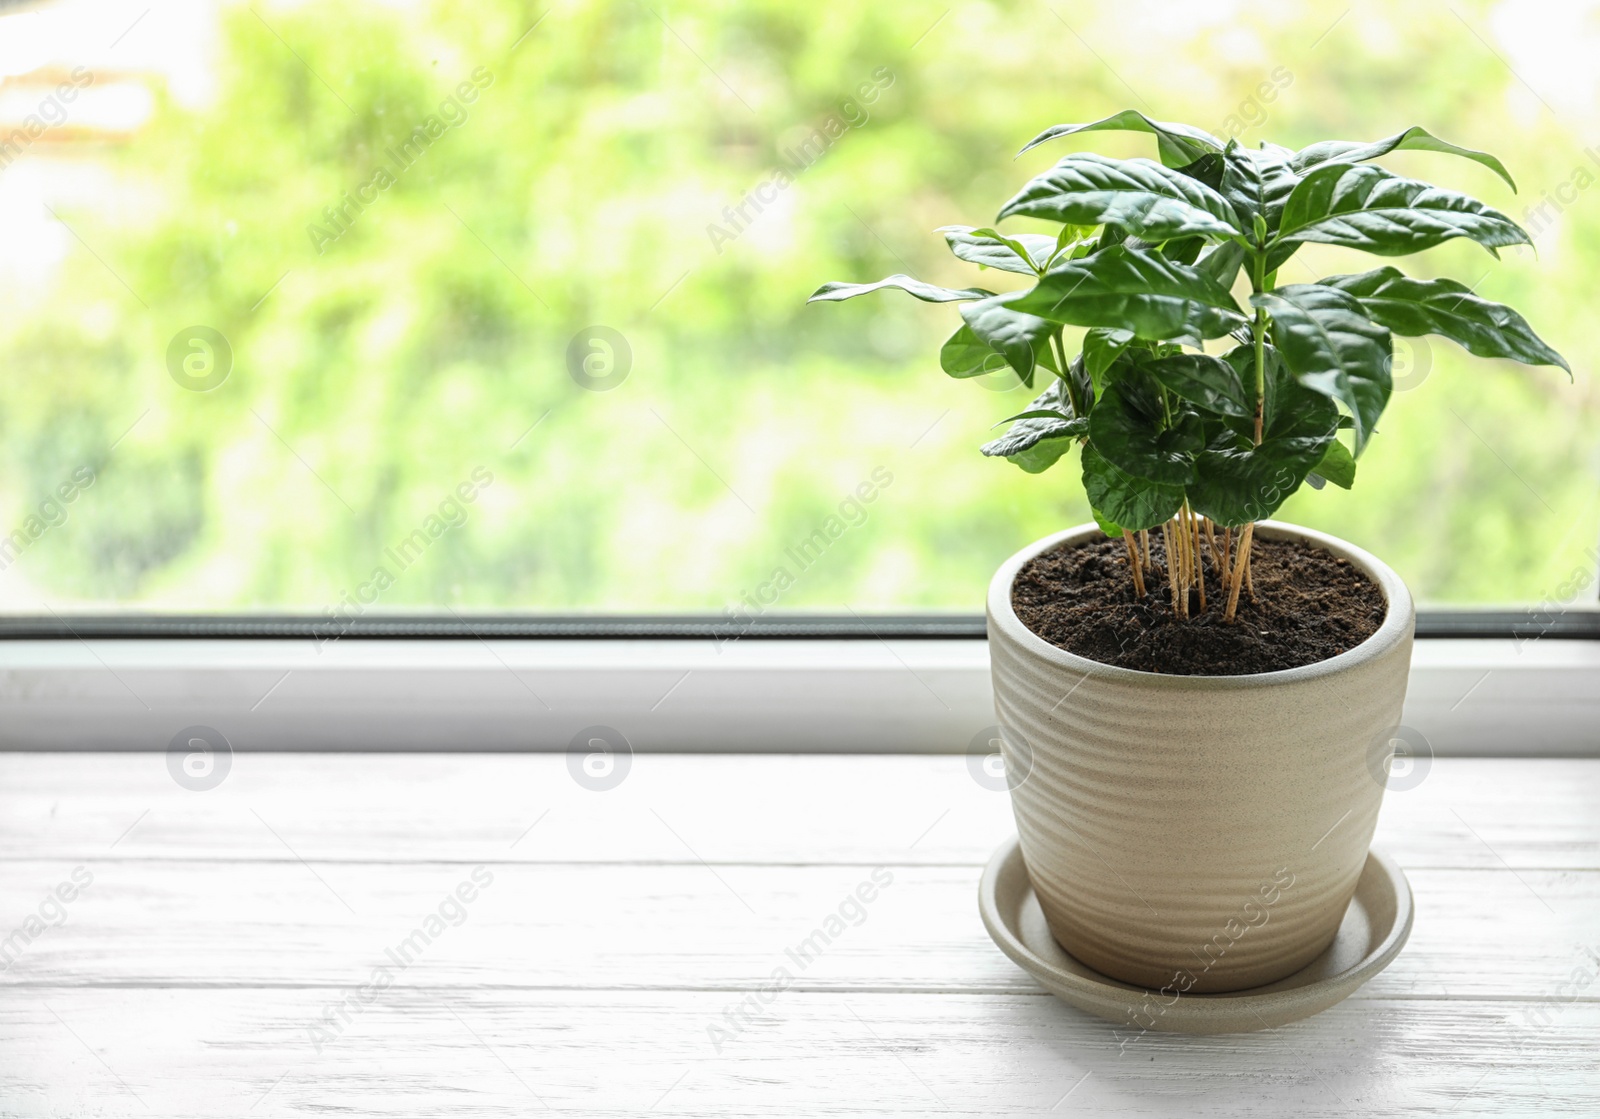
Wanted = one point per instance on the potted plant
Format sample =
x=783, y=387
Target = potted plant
x=1187, y=691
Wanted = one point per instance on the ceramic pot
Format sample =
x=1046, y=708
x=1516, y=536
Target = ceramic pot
x=1196, y=833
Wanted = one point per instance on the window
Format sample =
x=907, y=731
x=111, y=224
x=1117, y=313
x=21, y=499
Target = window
x=385, y=305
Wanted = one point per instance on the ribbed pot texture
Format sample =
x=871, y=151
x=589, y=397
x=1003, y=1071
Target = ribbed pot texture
x=1196, y=833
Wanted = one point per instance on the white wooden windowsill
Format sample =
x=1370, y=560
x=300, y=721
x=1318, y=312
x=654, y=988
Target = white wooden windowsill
x=221, y=927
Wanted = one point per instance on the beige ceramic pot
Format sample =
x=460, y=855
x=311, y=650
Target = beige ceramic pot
x=1196, y=833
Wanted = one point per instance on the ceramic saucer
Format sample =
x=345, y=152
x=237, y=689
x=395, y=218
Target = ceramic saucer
x=1374, y=930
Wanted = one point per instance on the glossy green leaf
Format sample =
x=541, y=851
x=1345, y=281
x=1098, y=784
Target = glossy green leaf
x=1184, y=250
x=1242, y=360
x=1258, y=181
x=1023, y=339
x=1287, y=400
x=1102, y=347
x=1036, y=414
x=1237, y=481
x=1027, y=253
x=1110, y=528
x=1126, y=427
x=1245, y=483
x=1138, y=195
x=1208, y=169
x=1360, y=206
x=928, y=293
x=1209, y=382
x=1332, y=348
x=1036, y=441
x=1412, y=307
x=1222, y=263
x=967, y=355
x=1412, y=139
x=1126, y=289
x=1043, y=454
x=1337, y=465
x=1123, y=500
x=1179, y=144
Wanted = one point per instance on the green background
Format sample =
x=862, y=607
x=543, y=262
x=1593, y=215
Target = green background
x=578, y=191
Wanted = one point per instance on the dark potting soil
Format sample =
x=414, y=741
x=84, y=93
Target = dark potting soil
x=1309, y=605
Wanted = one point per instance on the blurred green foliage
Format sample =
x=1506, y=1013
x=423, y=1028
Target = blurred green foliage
x=371, y=378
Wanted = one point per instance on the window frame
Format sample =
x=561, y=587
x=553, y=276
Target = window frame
x=1506, y=683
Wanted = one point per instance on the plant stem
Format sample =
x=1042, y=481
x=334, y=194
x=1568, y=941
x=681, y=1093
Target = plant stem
x=1066, y=377
x=1186, y=573
x=1134, y=563
x=1238, y=572
x=1188, y=555
x=1172, y=564
x=1258, y=331
x=1199, y=562
x=1144, y=549
x=1216, y=554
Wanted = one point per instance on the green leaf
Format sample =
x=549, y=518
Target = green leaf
x=1027, y=253
x=1102, y=347
x=1332, y=348
x=1222, y=263
x=1337, y=465
x=1139, y=195
x=1110, y=528
x=1244, y=483
x=1287, y=402
x=1123, y=500
x=928, y=293
x=1126, y=427
x=1044, y=454
x=1072, y=242
x=1413, y=307
x=1126, y=289
x=1184, y=250
x=1412, y=139
x=1360, y=206
x=1036, y=442
x=967, y=355
x=1237, y=481
x=1258, y=181
x=1023, y=339
x=1208, y=169
x=1209, y=382
x=1036, y=414
x=1179, y=144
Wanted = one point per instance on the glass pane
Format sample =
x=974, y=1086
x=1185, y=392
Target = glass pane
x=493, y=307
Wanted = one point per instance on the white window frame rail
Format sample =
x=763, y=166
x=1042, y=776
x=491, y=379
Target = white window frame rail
x=1530, y=695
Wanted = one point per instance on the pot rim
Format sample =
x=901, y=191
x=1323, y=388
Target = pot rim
x=1398, y=621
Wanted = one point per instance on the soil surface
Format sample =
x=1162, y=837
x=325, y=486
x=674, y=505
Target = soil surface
x=1309, y=605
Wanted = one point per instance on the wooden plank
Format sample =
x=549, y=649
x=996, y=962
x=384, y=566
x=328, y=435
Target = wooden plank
x=818, y=809
x=1479, y=934
x=205, y=1053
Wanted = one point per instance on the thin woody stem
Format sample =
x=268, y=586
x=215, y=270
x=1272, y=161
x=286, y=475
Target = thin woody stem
x=1179, y=535
x=1199, y=563
x=1188, y=557
x=1172, y=565
x=1182, y=529
x=1238, y=572
x=1134, y=563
